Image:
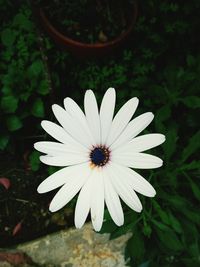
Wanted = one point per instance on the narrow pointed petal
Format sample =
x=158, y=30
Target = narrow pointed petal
x=121, y=119
x=83, y=203
x=136, y=160
x=59, y=133
x=56, y=149
x=92, y=115
x=112, y=200
x=60, y=177
x=64, y=160
x=97, y=200
x=134, y=127
x=106, y=113
x=71, y=188
x=124, y=190
x=142, y=143
x=54, y=181
x=77, y=114
x=71, y=125
x=135, y=180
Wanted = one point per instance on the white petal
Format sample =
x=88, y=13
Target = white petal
x=71, y=188
x=71, y=125
x=97, y=199
x=56, y=149
x=60, y=177
x=124, y=190
x=92, y=115
x=112, y=200
x=135, y=180
x=106, y=113
x=59, y=133
x=136, y=160
x=83, y=203
x=75, y=111
x=121, y=119
x=142, y=143
x=64, y=160
x=133, y=128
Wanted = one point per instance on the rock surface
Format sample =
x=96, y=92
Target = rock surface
x=77, y=248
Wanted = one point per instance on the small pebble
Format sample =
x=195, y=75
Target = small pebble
x=102, y=37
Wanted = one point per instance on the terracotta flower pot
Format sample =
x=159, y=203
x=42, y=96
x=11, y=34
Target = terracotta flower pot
x=86, y=49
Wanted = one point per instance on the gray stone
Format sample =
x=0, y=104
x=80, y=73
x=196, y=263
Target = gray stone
x=77, y=248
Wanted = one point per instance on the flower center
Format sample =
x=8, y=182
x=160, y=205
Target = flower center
x=100, y=155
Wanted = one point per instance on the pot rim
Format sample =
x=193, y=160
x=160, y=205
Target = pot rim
x=66, y=40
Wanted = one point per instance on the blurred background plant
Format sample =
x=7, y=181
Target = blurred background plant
x=161, y=66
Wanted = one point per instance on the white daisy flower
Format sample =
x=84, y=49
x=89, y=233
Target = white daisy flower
x=98, y=153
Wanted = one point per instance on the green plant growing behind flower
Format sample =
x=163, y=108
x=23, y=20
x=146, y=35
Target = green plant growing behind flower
x=23, y=80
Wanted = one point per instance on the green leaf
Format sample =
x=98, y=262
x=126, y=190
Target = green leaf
x=169, y=146
x=43, y=87
x=190, y=60
x=177, y=201
x=191, y=238
x=35, y=69
x=190, y=166
x=190, y=232
x=160, y=225
x=190, y=262
x=184, y=206
x=52, y=169
x=169, y=239
x=3, y=141
x=147, y=230
x=191, y=101
x=9, y=104
x=38, y=108
x=130, y=220
x=122, y=230
x=6, y=90
x=192, y=147
x=193, y=249
x=108, y=227
x=195, y=188
x=162, y=115
x=172, y=178
x=162, y=214
x=13, y=123
x=175, y=223
x=34, y=160
x=135, y=246
x=8, y=37
x=191, y=214
x=21, y=20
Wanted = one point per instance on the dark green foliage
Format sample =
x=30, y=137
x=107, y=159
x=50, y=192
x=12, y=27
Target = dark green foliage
x=22, y=77
x=34, y=160
x=13, y=123
x=135, y=246
x=165, y=74
x=38, y=108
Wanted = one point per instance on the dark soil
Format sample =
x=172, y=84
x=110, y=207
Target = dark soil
x=90, y=21
x=24, y=213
